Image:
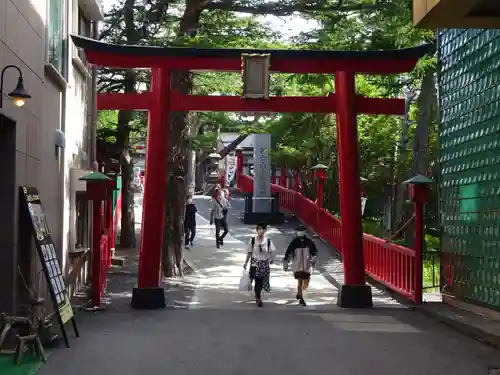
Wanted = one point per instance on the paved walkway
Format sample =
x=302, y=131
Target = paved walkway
x=212, y=328
x=219, y=270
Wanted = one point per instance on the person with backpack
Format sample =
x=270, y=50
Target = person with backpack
x=189, y=222
x=261, y=254
x=218, y=216
x=303, y=254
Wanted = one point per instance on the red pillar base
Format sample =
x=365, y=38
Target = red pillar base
x=355, y=296
x=148, y=298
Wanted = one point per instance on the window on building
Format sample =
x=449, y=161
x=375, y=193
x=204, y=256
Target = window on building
x=84, y=29
x=55, y=35
x=82, y=221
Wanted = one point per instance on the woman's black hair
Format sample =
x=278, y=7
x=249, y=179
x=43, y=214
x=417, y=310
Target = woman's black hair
x=262, y=225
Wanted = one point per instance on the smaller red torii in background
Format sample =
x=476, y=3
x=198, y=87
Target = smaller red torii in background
x=161, y=101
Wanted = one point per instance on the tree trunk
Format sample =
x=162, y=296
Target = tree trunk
x=127, y=235
x=177, y=157
x=191, y=172
x=194, y=128
x=426, y=103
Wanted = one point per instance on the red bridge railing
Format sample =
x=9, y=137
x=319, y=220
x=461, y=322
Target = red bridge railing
x=389, y=264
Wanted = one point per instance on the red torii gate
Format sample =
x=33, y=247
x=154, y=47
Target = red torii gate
x=161, y=101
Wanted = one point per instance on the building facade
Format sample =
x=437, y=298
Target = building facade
x=469, y=77
x=46, y=143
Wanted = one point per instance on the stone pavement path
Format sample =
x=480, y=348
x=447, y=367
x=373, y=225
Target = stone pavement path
x=219, y=272
x=223, y=267
x=212, y=328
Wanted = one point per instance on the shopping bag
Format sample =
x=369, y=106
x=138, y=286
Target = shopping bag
x=245, y=283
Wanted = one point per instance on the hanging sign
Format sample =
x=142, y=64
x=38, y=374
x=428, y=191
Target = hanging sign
x=48, y=258
x=231, y=162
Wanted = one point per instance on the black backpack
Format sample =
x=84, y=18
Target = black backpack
x=268, y=243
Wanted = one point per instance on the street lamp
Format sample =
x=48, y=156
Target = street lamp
x=19, y=95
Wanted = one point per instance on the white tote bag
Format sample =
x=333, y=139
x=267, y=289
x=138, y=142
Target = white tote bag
x=245, y=281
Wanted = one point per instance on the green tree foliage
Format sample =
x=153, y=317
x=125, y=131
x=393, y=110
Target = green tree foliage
x=300, y=140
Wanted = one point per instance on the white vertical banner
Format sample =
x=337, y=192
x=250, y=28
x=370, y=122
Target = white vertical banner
x=363, y=205
x=262, y=173
x=231, y=161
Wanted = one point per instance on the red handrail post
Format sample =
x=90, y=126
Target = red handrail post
x=419, y=195
x=419, y=250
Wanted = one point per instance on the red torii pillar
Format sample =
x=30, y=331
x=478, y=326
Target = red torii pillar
x=350, y=211
x=148, y=293
x=161, y=101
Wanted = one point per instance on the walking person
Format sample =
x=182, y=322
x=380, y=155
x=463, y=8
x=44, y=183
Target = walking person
x=261, y=254
x=218, y=216
x=189, y=222
x=303, y=254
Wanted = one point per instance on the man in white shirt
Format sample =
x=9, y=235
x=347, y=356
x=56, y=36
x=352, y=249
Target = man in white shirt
x=218, y=215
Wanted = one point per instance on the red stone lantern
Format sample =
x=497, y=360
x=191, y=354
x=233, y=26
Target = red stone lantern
x=99, y=188
x=321, y=174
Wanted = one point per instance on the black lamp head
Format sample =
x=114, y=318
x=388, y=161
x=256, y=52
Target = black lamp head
x=19, y=95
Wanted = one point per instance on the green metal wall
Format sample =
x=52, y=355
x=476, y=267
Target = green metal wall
x=469, y=98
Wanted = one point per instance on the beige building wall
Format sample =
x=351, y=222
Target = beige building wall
x=60, y=97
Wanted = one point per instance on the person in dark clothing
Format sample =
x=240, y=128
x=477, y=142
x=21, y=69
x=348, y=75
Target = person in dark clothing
x=303, y=254
x=189, y=222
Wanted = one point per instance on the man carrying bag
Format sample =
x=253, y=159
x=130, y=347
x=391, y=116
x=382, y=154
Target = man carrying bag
x=218, y=215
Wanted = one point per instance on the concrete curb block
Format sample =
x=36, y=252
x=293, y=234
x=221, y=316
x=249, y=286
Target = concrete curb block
x=466, y=329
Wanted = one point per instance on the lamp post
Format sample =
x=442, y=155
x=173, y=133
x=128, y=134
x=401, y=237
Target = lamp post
x=320, y=172
x=19, y=95
x=419, y=195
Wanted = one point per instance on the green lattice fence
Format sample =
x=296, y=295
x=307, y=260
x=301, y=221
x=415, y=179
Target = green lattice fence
x=469, y=90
